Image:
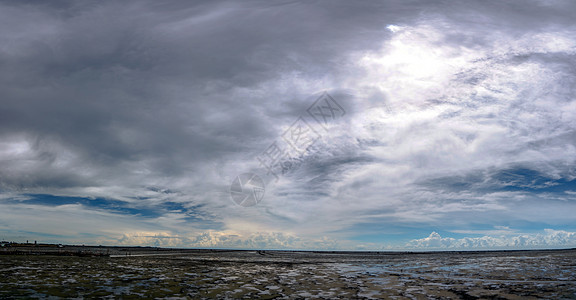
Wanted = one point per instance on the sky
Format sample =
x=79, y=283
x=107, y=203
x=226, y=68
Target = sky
x=325, y=125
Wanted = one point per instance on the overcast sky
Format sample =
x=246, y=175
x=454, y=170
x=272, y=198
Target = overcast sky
x=424, y=124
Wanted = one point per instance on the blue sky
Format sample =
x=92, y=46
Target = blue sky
x=395, y=125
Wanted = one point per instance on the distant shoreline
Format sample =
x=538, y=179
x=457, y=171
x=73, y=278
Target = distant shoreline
x=118, y=251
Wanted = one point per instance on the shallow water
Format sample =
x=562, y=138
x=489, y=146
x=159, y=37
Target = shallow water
x=294, y=275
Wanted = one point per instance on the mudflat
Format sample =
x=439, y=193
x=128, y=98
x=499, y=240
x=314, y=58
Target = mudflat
x=206, y=274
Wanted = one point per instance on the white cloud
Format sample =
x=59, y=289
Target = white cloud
x=228, y=239
x=394, y=28
x=549, y=238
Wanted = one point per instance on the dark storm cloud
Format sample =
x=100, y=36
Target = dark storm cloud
x=135, y=82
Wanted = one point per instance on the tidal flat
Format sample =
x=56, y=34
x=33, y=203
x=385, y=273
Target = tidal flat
x=205, y=274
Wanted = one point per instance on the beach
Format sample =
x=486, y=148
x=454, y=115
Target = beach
x=222, y=274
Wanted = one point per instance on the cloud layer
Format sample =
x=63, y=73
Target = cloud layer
x=548, y=239
x=131, y=120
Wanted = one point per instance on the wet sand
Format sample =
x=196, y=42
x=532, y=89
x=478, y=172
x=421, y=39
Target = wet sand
x=204, y=274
